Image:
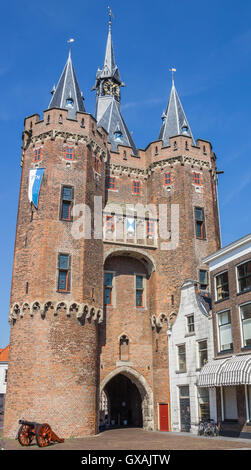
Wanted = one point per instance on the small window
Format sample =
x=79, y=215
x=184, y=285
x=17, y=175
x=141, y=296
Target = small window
x=139, y=291
x=110, y=223
x=96, y=165
x=222, y=288
x=200, y=223
x=225, y=331
x=168, y=179
x=156, y=151
x=150, y=228
x=108, y=288
x=69, y=153
x=203, y=279
x=112, y=183
x=69, y=103
x=197, y=179
x=63, y=273
x=245, y=311
x=124, y=348
x=82, y=123
x=118, y=136
x=37, y=155
x=175, y=146
x=136, y=187
x=190, y=323
x=182, y=358
x=5, y=375
x=66, y=203
x=203, y=358
x=244, y=276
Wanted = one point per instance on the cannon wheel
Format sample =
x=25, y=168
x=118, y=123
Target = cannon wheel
x=24, y=436
x=44, y=435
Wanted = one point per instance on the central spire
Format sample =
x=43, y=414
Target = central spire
x=107, y=86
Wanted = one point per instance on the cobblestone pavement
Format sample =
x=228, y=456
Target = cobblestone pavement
x=138, y=439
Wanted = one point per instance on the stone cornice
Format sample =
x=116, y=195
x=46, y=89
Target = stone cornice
x=120, y=169
x=53, y=134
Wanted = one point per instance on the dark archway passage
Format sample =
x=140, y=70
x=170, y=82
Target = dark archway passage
x=124, y=402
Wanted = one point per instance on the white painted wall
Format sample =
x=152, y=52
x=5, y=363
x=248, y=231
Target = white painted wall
x=179, y=335
x=3, y=367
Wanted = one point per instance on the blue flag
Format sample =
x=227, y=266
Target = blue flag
x=130, y=225
x=35, y=179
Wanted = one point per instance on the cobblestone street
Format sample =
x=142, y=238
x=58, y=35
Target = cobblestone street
x=137, y=439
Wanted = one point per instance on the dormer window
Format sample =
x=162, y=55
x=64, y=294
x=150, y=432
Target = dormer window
x=69, y=102
x=118, y=136
x=184, y=129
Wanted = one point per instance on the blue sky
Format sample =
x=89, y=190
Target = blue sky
x=209, y=42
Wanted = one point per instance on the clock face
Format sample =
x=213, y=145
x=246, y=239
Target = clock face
x=111, y=88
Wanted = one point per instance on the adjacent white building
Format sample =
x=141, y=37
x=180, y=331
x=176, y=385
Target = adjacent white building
x=190, y=347
x=3, y=375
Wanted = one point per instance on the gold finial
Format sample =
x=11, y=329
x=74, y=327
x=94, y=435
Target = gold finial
x=172, y=70
x=111, y=15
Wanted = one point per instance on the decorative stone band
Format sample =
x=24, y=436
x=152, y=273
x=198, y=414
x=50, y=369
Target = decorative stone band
x=112, y=168
x=69, y=308
x=54, y=134
x=159, y=321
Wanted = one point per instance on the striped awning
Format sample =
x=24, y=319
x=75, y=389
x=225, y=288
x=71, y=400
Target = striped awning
x=233, y=371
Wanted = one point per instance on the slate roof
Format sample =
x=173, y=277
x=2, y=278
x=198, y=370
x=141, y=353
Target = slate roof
x=68, y=89
x=174, y=119
x=108, y=113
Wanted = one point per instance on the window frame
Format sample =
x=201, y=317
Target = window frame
x=215, y=286
x=203, y=223
x=110, y=287
x=178, y=358
x=197, y=176
x=237, y=277
x=220, y=350
x=207, y=278
x=199, y=351
x=35, y=159
x=67, y=290
x=141, y=289
x=136, y=184
x=108, y=182
x=67, y=152
x=69, y=202
x=191, y=315
x=168, y=175
x=241, y=325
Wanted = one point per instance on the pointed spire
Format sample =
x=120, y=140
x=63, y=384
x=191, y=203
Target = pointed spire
x=67, y=94
x=107, y=86
x=174, y=119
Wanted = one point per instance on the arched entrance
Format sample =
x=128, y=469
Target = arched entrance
x=129, y=399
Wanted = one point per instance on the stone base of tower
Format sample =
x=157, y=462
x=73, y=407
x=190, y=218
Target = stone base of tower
x=52, y=374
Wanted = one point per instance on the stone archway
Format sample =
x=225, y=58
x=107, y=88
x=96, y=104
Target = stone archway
x=144, y=389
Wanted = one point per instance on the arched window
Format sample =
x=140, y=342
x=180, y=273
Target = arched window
x=175, y=145
x=82, y=122
x=124, y=348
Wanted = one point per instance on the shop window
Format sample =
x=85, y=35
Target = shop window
x=230, y=404
x=203, y=400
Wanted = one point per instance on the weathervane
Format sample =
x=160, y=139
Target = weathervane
x=70, y=41
x=172, y=70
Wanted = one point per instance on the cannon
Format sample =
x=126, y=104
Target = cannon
x=43, y=433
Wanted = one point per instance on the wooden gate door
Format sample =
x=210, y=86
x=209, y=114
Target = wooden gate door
x=163, y=417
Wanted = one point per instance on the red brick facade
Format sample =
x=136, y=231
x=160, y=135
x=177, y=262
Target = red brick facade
x=60, y=349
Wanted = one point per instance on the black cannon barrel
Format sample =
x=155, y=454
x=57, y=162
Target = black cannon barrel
x=27, y=423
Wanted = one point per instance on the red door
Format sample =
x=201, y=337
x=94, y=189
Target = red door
x=163, y=417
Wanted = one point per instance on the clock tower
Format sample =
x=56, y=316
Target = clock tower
x=108, y=95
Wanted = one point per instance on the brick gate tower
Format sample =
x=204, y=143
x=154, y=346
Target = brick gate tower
x=89, y=316
x=57, y=284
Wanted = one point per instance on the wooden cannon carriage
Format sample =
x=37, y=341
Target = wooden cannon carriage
x=43, y=432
